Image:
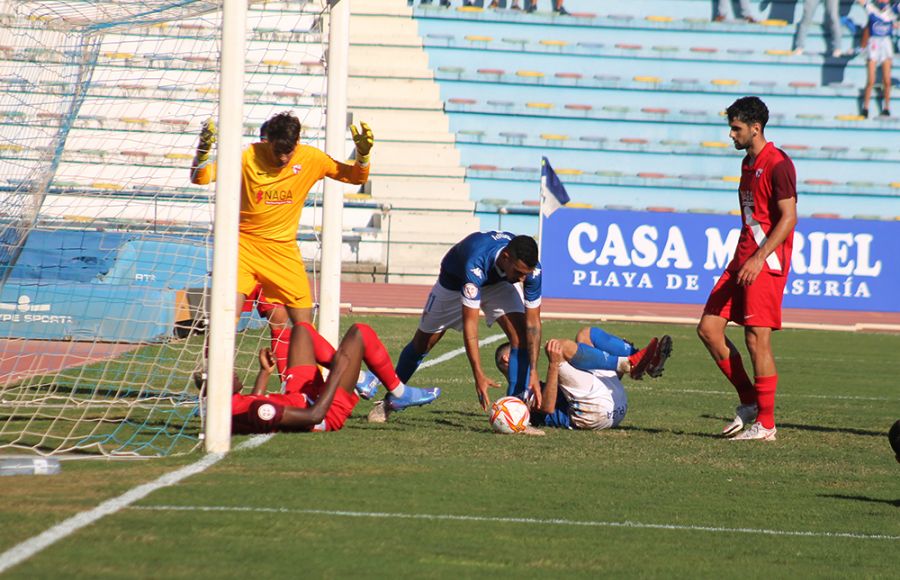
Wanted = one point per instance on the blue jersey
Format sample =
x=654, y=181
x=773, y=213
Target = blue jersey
x=471, y=265
x=882, y=18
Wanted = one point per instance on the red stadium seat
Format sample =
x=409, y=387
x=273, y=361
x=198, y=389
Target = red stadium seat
x=462, y=101
x=818, y=182
x=578, y=107
x=483, y=167
x=652, y=175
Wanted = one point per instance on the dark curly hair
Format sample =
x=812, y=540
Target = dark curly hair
x=748, y=110
x=283, y=132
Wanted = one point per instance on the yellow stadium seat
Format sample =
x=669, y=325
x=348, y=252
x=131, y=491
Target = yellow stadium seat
x=107, y=185
x=779, y=52
x=725, y=82
x=569, y=171
x=648, y=79
x=850, y=118
x=659, y=18
x=554, y=43
x=479, y=38
x=774, y=22
x=554, y=137
x=539, y=105
x=530, y=74
x=714, y=144
x=732, y=178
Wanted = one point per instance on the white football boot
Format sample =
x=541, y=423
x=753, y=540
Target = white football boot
x=743, y=414
x=756, y=432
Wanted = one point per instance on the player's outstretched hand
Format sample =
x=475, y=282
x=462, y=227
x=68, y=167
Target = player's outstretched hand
x=267, y=360
x=207, y=140
x=364, y=139
x=482, y=384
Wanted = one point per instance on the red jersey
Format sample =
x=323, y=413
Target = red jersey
x=764, y=182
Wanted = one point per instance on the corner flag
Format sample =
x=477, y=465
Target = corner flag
x=553, y=192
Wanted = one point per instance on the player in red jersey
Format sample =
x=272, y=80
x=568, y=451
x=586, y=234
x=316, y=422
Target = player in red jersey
x=751, y=289
x=309, y=402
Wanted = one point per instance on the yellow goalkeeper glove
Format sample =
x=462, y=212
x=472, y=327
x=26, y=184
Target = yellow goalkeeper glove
x=364, y=140
x=207, y=140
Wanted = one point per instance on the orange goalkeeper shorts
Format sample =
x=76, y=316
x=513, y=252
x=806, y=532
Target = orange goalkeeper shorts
x=277, y=266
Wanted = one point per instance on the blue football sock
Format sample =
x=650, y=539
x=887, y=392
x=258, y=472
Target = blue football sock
x=588, y=358
x=611, y=343
x=519, y=370
x=408, y=362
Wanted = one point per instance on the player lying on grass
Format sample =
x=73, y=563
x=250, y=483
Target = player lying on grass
x=311, y=403
x=583, y=389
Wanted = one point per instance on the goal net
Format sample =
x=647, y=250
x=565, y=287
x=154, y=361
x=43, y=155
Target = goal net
x=105, y=246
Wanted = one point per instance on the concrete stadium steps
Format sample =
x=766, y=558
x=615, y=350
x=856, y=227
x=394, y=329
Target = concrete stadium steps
x=416, y=172
x=656, y=16
x=422, y=193
x=597, y=143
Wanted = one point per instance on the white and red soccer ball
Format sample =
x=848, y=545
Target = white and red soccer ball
x=509, y=415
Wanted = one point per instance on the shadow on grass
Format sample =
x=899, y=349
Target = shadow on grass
x=893, y=502
x=655, y=431
x=814, y=428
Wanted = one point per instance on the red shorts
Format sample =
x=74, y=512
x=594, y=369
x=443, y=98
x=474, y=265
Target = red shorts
x=307, y=382
x=758, y=304
x=303, y=386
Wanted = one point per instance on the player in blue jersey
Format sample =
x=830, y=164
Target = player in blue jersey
x=584, y=389
x=498, y=273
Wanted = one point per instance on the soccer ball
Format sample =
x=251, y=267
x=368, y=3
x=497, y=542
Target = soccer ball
x=509, y=415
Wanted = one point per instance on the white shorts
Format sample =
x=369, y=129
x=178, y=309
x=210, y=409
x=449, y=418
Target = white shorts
x=597, y=399
x=880, y=49
x=443, y=309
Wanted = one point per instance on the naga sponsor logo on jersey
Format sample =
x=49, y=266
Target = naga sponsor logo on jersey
x=24, y=310
x=297, y=168
x=478, y=273
x=470, y=291
x=275, y=197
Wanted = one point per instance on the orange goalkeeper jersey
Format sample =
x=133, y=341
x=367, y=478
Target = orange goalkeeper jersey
x=272, y=197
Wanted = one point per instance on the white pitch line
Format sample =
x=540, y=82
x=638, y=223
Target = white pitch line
x=24, y=550
x=32, y=546
x=540, y=521
x=461, y=350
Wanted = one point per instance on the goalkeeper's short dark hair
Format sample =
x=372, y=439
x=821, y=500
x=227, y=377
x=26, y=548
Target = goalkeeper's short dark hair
x=894, y=438
x=283, y=132
x=749, y=110
x=523, y=248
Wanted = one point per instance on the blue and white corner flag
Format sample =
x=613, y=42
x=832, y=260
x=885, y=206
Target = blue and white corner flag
x=553, y=192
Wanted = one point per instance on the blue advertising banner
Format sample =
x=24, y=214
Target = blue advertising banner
x=677, y=258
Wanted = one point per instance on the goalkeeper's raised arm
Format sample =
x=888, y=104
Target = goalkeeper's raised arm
x=202, y=171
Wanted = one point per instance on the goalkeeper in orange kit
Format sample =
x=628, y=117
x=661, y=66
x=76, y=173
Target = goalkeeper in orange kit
x=276, y=176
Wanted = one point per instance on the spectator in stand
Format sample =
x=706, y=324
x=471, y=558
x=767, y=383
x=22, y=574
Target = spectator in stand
x=883, y=16
x=832, y=15
x=741, y=11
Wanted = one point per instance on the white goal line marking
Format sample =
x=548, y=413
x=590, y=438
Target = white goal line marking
x=24, y=550
x=510, y=520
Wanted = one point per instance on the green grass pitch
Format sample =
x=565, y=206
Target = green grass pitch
x=435, y=494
